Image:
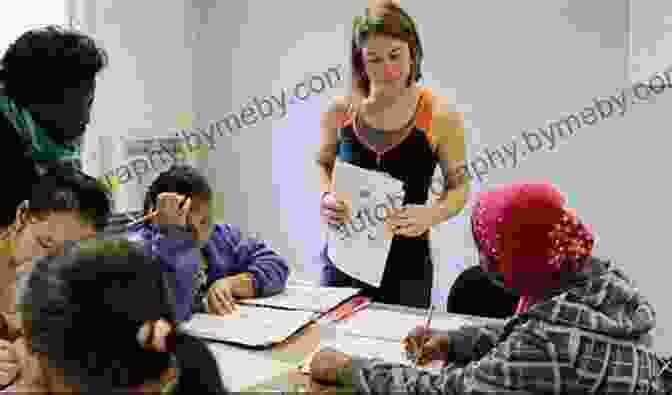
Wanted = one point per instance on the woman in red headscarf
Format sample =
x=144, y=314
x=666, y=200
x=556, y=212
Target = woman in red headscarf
x=581, y=325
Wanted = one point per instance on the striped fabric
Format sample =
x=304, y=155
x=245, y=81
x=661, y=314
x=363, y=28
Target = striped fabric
x=593, y=337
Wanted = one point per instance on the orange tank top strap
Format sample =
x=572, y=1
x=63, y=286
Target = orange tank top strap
x=423, y=118
x=348, y=116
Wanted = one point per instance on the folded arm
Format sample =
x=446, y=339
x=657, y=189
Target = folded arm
x=262, y=271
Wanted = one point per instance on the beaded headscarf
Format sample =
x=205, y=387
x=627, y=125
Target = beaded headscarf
x=365, y=25
x=527, y=234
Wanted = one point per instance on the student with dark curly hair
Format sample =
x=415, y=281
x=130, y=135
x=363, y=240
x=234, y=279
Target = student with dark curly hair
x=99, y=319
x=47, y=84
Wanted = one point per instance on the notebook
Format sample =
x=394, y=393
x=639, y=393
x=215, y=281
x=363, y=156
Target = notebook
x=306, y=298
x=251, y=326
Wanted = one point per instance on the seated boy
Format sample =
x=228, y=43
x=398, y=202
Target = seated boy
x=64, y=205
x=213, y=264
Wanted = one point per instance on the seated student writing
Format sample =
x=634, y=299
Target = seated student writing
x=213, y=264
x=65, y=204
x=100, y=320
x=581, y=325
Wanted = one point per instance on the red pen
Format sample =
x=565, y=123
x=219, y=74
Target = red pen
x=359, y=304
x=356, y=304
x=428, y=323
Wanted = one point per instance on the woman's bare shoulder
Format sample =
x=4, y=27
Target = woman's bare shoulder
x=445, y=119
x=339, y=104
x=443, y=106
x=337, y=112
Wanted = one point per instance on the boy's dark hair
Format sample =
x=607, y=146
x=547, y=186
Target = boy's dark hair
x=83, y=309
x=42, y=62
x=62, y=188
x=185, y=180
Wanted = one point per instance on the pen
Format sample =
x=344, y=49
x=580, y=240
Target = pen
x=346, y=310
x=356, y=304
x=153, y=214
x=145, y=218
x=428, y=322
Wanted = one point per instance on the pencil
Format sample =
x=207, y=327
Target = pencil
x=145, y=218
x=428, y=322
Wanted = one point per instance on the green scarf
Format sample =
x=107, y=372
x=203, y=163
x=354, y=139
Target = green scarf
x=43, y=148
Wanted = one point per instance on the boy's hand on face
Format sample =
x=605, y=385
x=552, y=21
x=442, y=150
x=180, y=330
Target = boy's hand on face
x=172, y=209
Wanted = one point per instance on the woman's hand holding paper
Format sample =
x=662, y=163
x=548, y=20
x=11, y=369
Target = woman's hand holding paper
x=411, y=221
x=334, y=211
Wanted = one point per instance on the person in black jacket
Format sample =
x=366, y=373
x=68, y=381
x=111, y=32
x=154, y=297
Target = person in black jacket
x=475, y=292
x=47, y=84
x=475, y=285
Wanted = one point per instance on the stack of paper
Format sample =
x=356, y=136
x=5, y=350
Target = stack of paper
x=391, y=325
x=315, y=299
x=250, y=326
x=360, y=248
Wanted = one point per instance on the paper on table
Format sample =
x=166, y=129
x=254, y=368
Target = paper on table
x=388, y=351
x=360, y=248
x=251, y=326
x=391, y=325
x=307, y=298
x=241, y=368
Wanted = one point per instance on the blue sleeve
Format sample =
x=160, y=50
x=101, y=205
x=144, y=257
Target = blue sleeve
x=173, y=241
x=268, y=269
x=174, y=248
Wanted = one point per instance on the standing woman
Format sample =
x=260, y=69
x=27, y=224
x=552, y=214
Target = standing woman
x=391, y=125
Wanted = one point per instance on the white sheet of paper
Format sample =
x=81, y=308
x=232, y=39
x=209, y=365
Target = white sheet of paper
x=391, y=325
x=367, y=348
x=306, y=298
x=241, y=368
x=363, y=254
x=252, y=326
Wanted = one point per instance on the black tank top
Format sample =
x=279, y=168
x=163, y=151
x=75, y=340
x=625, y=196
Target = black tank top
x=412, y=161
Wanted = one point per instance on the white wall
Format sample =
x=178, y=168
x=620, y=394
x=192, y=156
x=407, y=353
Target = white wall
x=28, y=14
x=641, y=197
x=508, y=66
x=148, y=84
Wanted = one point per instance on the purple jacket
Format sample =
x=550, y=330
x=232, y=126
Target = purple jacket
x=229, y=254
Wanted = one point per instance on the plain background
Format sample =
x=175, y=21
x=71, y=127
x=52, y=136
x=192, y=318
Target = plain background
x=508, y=66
